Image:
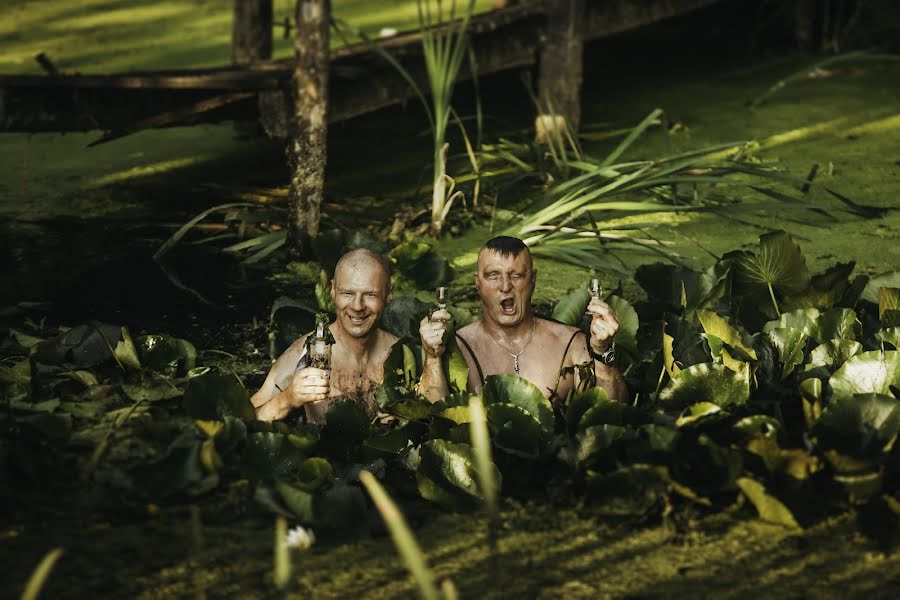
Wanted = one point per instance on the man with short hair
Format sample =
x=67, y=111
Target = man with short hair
x=508, y=338
x=361, y=290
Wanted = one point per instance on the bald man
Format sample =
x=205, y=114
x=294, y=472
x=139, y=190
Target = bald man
x=361, y=290
x=508, y=338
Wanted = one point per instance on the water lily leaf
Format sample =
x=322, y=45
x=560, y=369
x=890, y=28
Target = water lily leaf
x=805, y=320
x=789, y=342
x=777, y=263
x=581, y=403
x=595, y=440
x=15, y=342
x=180, y=470
x=891, y=279
x=271, y=456
x=626, y=335
x=793, y=462
x=407, y=255
x=660, y=438
x=833, y=353
x=757, y=426
x=152, y=388
x=289, y=320
x=166, y=355
x=705, y=466
x=702, y=412
x=84, y=346
x=510, y=389
x=610, y=412
x=825, y=289
x=515, y=431
x=768, y=507
x=454, y=407
x=346, y=427
x=718, y=326
x=684, y=346
x=125, y=351
x=860, y=426
x=85, y=378
x=212, y=396
x=298, y=501
x=313, y=472
x=889, y=306
x=708, y=382
x=420, y=262
x=838, y=323
x=860, y=487
x=571, y=307
x=890, y=335
x=400, y=377
x=394, y=441
x=402, y=317
x=867, y=373
x=447, y=475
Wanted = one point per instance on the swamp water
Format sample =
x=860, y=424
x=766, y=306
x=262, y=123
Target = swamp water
x=95, y=268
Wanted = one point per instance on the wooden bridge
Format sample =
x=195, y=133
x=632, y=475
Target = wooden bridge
x=360, y=80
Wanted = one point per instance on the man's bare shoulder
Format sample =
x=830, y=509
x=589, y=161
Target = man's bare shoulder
x=292, y=354
x=557, y=330
x=388, y=340
x=470, y=330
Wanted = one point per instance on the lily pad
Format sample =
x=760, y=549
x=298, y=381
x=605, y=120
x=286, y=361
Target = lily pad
x=769, y=508
x=580, y=404
x=454, y=407
x=838, y=323
x=448, y=476
x=702, y=412
x=313, y=472
x=515, y=431
x=890, y=335
x=289, y=320
x=789, y=342
x=595, y=440
x=861, y=426
x=708, y=382
x=867, y=373
x=833, y=354
x=212, y=396
x=271, y=456
x=825, y=289
x=626, y=335
x=570, y=308
x=777, y=263
x=166, y=355
x=805, y=320
x=891, y=279
x=719, y=327
x=510, y=389
x=298, y=501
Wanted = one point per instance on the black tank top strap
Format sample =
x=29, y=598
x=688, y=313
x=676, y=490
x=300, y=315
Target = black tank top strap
x=472, y=354
x=562, y=362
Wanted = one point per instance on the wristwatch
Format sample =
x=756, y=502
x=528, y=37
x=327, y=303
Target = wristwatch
x=607, y=358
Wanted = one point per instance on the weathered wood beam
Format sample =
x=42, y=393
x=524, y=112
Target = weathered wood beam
x=360, y=80
x=251, y=31
x=559, y=80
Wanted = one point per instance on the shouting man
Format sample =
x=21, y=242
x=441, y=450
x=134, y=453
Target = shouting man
x=361, y=289
x=508, y=338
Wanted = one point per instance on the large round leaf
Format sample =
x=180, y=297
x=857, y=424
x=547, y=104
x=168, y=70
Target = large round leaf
x=838, y=323
x=833, y=353
x=890, y=335
x=626, y=335
x=515, y=431
x=596, y=440
x=718, y=326
x=510, y=389
x=454, y=407
x=570, y=308
x=805, y=320
x=212, y=396
x=165, y=354
x=891, y=279
x=707, y=382
x=581, y=403
x=313, y=472
x=777, y=262
x=860, y=426
x=447, y=475
x=789, y=342
x=271, y=456
x=769, y=507
x=866, y=373
x=402, y=317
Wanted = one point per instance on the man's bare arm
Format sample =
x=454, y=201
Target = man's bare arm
x=608, y=376
x=433, y=382
x=271, y=401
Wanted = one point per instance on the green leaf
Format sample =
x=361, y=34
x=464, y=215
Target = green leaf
x=777, y=262
x=510, y=389
x=861, y=426
x=298, y=501
x=313, y=472
x=447, y=475
x=702, y=412
x=631, y=490
x=580, y=404
x=571, y=307
x=456, y=367
x=866, y=373
x=805, y=320
x=346, y=427
x=891, y=279
x=789, y=342
x=400, y=377
x=212, y=396
x=757, y=426
x=889, y=306
x=718, y=326
x=125, y=351
x=271, y=456
x=454, y=407
x=833, y=354
x=289, y=320
x=402, y=317
x=514, y=430
x=626, y=335
x=707, y=382
x=706, y=466
x=769, y=508
x=595, y=440
x=824, y=291
x=838, y=323
x=890, y=335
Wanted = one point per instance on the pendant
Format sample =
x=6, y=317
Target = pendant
x=516, y=364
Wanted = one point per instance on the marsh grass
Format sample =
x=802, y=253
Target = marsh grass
x=40, y=574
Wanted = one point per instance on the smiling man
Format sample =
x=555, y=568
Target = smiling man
x=508, y=338
x=361, y=290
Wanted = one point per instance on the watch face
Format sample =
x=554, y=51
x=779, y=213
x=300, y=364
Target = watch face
x=609, y=357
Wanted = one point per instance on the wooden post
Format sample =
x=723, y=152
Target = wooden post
x=307, y=144
x=251, y=31
x=559, y=81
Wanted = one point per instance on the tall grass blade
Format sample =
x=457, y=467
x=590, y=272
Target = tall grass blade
x=281, y=570
x=403, y=537
x=651, y=119
x=40, y=574
x=182, y=231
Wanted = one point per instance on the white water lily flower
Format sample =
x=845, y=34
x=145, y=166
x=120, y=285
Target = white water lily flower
x=412, y=458
x=387, y=32
x=300, y=538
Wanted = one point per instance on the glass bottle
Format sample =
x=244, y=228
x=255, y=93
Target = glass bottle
x=441, y=297
x=596, y=290
x=319, y=343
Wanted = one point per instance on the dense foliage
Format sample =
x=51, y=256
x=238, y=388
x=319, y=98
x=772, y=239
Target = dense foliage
x=754, y=378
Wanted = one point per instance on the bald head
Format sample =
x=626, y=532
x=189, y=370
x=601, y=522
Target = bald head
x=366, y=260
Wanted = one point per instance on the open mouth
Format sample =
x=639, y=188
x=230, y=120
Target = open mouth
x=508, y=306
x=358, y=320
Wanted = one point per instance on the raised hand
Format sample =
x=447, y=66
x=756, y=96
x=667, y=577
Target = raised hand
x=432, y=330
x=604, y=325
x=309, y=385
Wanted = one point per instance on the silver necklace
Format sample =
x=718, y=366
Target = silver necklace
x=515, y=356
